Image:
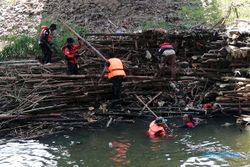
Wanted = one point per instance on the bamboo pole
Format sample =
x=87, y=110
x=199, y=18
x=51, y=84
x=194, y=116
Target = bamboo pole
x=158, y=94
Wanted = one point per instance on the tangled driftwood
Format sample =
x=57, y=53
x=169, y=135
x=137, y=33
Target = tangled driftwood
x=37, y=99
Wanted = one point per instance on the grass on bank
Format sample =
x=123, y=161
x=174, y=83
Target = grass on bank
x=24, y=46
x=206, y=13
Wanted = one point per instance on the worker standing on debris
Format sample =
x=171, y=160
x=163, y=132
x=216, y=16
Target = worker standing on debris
x=70, y=52
x=116, y=74
x=167, y=56
x=45, y=39
x=158, y=128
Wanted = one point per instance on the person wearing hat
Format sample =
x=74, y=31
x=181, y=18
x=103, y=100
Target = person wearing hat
x=45, y=43
x=167, y=56
x=70, y=52
x=158, y=128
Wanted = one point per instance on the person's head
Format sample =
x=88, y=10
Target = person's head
x=70, y=40
x=190, y=117
x=160, y=121
x=52, y=27
x=107, y=63
x=185, y=118
x=110, y=54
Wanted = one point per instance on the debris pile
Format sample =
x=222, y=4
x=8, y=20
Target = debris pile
x=51, y=101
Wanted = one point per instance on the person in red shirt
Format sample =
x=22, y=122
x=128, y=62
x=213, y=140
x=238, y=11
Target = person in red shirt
x=189, y=121
x=70, y=52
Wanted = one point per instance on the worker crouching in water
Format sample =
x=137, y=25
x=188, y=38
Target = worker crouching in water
x=116, y=74
x=167, y=56
x=70, y=52
x=158, y=128
x=189, y=121
x=45, y=43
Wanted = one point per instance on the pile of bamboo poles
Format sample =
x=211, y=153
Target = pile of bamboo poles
x=44, y=98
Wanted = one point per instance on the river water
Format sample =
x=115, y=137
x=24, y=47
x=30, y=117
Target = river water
x=210, y=144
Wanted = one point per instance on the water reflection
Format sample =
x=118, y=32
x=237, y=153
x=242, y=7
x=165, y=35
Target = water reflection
x=209, y=152
x=121, y=148
x=26, y=154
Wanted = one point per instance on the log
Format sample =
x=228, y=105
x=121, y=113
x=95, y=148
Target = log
x=241, y=79
x=68, y=77
x=40, y=109
x=25, y=117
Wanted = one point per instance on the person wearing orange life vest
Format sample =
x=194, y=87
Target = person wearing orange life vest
x=70, y=52
x=157, y=128
x=45, y=39
x=116, y=74
x=167, y=56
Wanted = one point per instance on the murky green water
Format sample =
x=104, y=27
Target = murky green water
x=127, y=145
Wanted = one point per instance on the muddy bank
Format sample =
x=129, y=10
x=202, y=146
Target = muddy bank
x=96, y=14
x=23, y=16
x=20, y=17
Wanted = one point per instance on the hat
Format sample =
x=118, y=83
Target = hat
x=185, y=116
x=53, y=27
x=70, y=40
x=160, y=120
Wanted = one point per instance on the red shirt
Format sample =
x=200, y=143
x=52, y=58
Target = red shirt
x=166, y=45
x=70, y=54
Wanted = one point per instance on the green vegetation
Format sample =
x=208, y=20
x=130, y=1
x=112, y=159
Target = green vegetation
x=242, y=8
x=155, y=24
x=204, y=12
x=207, y=14
x=20, y=47
x=24, y=46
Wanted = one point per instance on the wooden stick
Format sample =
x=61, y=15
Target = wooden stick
x=145, y=105
x=171, y=131
x=151, y=100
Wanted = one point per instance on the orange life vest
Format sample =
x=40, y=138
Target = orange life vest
x=70, y=53
x=115, y=68
x=156, y=130
x=42, y=34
